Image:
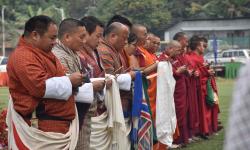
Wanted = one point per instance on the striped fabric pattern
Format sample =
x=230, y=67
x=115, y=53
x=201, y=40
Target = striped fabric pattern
x=142, y=133
x=145, y=128
x=110, y=59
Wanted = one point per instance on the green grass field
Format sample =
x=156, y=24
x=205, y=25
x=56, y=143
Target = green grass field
x=214, y=143
x=4, y=95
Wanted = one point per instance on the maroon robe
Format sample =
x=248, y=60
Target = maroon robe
x=192, y=100
x=180, y=99
x=205, y=111
x=215, y=109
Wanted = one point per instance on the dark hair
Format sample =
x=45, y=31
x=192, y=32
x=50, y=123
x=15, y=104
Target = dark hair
x=91, y=23
x=178, y=36
x=109, y=29
x=194, y=42
x=40, y=24
x=132, y=38
x=68, y=25
x=203, y=39
x=121, y=19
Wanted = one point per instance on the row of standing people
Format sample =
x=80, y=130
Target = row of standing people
x=195, y=117
x=49, y=76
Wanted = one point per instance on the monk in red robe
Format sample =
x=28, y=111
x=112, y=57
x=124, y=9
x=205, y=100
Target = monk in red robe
x=193, y=110
x=192, y=99
x=197, y=61
x=173, y=53
x=215, y=109
x=180, y=96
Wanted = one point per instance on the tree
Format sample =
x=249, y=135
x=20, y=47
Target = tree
x=79, y=8
x=151, y=13
x=155, y=14
x=220, y=9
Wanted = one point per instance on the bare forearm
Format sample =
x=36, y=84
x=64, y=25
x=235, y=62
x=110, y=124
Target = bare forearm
x=150, y=69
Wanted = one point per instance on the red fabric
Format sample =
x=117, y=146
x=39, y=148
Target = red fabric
x=215, y=111
x=180, y=99
x=192, y=101
x=160, y=146
x=204, y=110
x=4, y=79
x=110, y=58
x=215, y=108
x=90, y=59
x=28, y=68
x=211, y=113
x=162, y=57
x=114, y=62
x=18, y=141
x=214, y=86
x=154, y=57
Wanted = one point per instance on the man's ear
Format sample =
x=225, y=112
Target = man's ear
x=66, y=37
x=35, y=35
x=113, y=35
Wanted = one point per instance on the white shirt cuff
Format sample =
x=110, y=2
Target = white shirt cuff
x=58, y=88
x=85, y=93
x=124, y=81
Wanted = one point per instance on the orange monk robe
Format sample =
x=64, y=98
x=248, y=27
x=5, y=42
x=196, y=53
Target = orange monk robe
x=145, y=59
x=133, y=62
x=154, y=56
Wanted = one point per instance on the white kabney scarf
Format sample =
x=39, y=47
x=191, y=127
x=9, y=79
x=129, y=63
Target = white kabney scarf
x=35, y=139
x=165, y=107
x=110, y=130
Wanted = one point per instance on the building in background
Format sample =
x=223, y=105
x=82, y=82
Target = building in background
x=230, y=33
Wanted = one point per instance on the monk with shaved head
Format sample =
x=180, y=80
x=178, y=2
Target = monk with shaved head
x=152, y=44
x=149, y=64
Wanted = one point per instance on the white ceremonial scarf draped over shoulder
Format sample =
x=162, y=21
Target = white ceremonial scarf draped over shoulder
x=165, y=107
x=110, y=130
x=35, y=139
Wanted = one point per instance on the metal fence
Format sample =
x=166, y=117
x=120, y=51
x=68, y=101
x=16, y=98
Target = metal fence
x=224, y=43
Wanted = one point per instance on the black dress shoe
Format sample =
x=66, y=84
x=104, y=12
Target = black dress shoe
x=205, y=137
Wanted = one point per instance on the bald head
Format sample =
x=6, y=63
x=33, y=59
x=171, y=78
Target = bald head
x=173, y=48
x=141, y=33
x=114, y=27
x=138, y=27
x=173, y=44
x=152, y=43
x=117, y=35
x=182, y=38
